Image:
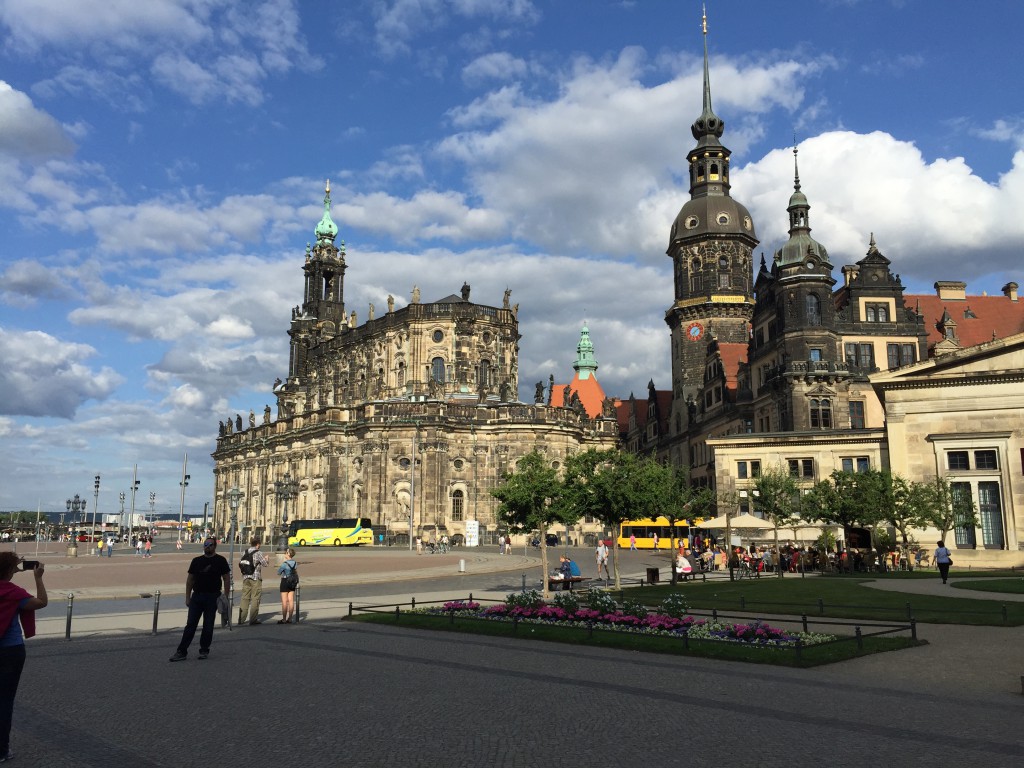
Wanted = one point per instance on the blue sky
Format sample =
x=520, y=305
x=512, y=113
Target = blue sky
x=162, y=167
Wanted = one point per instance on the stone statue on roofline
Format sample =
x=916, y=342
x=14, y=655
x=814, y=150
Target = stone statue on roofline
x=538, y=393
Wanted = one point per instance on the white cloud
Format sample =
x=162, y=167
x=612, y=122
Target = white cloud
x=494, y=66
x=28, y=131
x=44, y=376
x=201, y=50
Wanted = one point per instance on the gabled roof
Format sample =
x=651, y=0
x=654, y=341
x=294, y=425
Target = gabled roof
x=978, y=318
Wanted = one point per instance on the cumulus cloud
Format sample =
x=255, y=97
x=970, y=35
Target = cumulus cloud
x=44, y=376
x=927, y=215
x=399, y=22
x=202, y=51
x=499, y=65
x=28, y=131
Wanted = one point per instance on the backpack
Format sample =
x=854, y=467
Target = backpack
x=246, y=563
x=292, y=579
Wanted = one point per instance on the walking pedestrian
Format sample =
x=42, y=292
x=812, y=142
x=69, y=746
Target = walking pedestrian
x=289, y=581
x=17, y=623
x=251, y=564
x=110, y=546
x=149, y=546
x=601, y=553
x=632, y=542
x=208, y=576
x=943, y=559
x=139, y=544
x=654, y=537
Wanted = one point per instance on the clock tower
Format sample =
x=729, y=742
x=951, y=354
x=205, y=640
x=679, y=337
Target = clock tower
x=710, y=245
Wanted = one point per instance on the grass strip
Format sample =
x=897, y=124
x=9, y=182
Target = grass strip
x=841, y=598
x=1008, y=586
x=810, y=656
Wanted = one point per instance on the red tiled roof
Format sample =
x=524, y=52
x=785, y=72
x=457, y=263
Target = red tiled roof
x=732, y=355
x=589, y=390
x=992, y=315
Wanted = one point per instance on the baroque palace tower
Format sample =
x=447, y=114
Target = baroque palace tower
x=710, y=246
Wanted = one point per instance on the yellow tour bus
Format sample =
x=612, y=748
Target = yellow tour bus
x=645, y=530
x=330, y=532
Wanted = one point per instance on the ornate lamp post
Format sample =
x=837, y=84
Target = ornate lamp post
x=95, y=506
x=76, y=509
x=285, y=489
x=120, y=517
x=234, y=497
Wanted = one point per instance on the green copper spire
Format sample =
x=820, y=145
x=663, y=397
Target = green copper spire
x=326, y=229
x=709, y=124
x=586, y=363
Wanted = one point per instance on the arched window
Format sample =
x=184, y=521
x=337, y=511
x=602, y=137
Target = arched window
x=458, y=505
x=813, y=309
x=437, y=370
x=696, y=278
x=485, y=373
x=400, y=378
x=821, y=413
x=714, y=171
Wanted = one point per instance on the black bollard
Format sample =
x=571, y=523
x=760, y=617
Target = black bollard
x=298, y=602
x=156, y=610
x=67, y=629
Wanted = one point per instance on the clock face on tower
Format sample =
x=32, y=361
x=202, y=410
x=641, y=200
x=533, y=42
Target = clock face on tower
x=694, y=331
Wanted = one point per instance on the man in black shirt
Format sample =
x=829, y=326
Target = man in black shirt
x=207, y=575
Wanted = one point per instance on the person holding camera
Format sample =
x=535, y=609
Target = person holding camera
x=17, y=622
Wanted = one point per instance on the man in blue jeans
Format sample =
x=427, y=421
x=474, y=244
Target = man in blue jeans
x=207, y=574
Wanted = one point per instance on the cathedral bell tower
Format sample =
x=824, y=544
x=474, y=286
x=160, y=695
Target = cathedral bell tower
x=710, y=246
x=321, y=315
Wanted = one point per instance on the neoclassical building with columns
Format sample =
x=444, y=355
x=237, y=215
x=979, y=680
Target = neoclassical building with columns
x=409, y=419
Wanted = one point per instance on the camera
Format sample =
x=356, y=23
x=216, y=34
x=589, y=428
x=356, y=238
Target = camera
x=29, y=565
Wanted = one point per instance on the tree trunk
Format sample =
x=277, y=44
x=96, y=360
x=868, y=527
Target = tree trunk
x=545, y=592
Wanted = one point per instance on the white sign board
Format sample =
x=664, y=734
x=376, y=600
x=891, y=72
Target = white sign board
x=472, y=533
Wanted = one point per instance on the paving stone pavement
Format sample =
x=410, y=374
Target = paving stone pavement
x=329, y=692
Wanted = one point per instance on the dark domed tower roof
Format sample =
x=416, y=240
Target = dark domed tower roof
x=800, y=245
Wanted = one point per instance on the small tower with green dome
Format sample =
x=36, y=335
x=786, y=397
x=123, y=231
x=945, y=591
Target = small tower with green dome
x=586, y=364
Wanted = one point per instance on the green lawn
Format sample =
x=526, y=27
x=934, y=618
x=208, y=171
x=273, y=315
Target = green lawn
x=836, y=597
x=1011, y=586
x=810, y=656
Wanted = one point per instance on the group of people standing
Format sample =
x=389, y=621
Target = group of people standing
x=209, y=579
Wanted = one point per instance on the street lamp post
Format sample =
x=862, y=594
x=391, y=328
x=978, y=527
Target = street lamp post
x=135, y=487
x=184, y=484
x=76, y=509
x=285, y=489
x=234, y=497
x=95, y=506
x=120, y=517
x=152, y=512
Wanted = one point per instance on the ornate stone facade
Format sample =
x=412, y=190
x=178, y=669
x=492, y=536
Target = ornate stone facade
x=409, y=419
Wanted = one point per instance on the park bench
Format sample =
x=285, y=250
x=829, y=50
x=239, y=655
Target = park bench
x=554, y=585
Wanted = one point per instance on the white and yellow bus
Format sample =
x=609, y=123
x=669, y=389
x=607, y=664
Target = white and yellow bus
x=330, y=532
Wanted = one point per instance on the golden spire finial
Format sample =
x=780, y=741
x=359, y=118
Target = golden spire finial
x=328, y=190
x=704, y=18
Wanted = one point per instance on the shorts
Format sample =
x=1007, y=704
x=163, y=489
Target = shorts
x=286, y=587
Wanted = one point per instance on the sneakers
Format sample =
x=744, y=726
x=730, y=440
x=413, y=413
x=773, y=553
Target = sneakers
x=255, y=621
x=178, y=656
x=8, y=756
x=204, y=653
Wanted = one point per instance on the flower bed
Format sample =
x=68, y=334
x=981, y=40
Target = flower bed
x=670, y=619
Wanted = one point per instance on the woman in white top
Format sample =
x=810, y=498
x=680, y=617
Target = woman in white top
x=943, y=560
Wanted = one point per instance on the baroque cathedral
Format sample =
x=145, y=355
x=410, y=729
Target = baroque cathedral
x=408, y=419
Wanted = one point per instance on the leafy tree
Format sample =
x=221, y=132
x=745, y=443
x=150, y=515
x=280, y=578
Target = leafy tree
x=905, y=505
x=778, y=497
x=597, y=484
x=848, y=499
x=948, y=507
x=531, y=499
